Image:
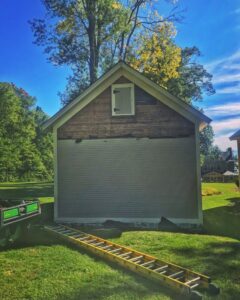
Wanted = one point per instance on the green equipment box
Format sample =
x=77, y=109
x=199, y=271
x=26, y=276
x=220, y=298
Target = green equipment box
x=17, y=213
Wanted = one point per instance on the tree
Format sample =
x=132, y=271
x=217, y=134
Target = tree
x=89, y=36
x=10, y=109
x=157, y=56
x=206, y=140
x=20, y=157
x=193, y=80
x=43, y=141
x=214, y=153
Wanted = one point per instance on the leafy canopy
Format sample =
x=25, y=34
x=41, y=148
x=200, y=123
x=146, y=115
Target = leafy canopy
x=25, y=151
x=91, y=35
x=157, y=57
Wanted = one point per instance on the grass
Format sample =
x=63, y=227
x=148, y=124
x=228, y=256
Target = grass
x=225, y=191
x=55, y=271
x=43, y=268
x=27, y=190
x=221, y=213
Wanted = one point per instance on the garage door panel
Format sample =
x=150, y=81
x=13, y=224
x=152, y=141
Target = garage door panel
x=127, y=178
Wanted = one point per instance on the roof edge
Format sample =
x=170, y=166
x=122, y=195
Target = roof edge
x=176, y=99
x=50, y=122
x=235, y=136
x=204, y=120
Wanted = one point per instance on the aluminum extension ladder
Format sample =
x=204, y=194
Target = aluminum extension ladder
x=184, y=281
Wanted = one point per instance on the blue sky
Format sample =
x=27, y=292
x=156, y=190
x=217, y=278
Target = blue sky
x=211, y=25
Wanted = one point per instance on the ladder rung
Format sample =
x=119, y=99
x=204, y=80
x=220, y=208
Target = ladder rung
x=68, y=233
x=84, y=238
x=60, y=229
x=163, y=272
x=194, y=286
x=65, y=231
x=160, y=268
x=192, y=280
x=147, y=263
x=135, y=258
x=77, y=235
x=138, y=261
x=115, y=250
x=176, y=274
x=98, y=244
x=124, y=254
x=91, y=241
x=55, y=227
x=107, y=247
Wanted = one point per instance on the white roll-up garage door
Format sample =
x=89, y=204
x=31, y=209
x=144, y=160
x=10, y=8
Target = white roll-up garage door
x=127, y=179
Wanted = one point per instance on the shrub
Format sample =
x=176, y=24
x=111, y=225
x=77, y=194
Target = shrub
x=237, y=182
x=209, y=191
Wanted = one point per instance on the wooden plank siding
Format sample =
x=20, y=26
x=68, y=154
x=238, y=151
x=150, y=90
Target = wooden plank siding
x=152, y=119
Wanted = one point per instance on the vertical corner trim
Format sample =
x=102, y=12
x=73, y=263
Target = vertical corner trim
x=55, y=159
x=198, y=175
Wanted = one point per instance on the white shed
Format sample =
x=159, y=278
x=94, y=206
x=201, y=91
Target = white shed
x=127, y=150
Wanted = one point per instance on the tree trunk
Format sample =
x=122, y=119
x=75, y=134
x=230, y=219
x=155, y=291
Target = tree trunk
x=93, y=61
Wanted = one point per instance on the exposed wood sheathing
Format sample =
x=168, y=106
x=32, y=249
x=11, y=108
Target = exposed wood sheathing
x=153, y=119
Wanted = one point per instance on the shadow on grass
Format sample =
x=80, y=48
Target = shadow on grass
x=101, y=286
x=220, y=261
x=117, y=287
x=224, y=220
x=235, y=207
x=26, y=190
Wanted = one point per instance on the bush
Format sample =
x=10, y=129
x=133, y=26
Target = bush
x=237, y=182
x=210, y=191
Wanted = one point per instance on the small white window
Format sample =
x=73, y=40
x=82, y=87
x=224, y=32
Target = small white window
x=123, y=102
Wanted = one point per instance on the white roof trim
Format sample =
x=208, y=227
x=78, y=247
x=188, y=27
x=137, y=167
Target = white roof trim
x=121, y=69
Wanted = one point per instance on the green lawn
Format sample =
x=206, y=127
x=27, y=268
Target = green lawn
x=221, y=214
x=43, y=268
x=27, y=190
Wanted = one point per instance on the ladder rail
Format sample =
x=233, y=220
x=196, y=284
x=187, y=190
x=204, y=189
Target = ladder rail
x=149, y=257
x=134, y=260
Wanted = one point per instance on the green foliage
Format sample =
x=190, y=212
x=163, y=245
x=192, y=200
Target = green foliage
x=21, y=145
x=44, y=142
x=214, y=153
x=77, y=34
x=157, y=56
x=90, y=36
x=206, y=141
x=237, y=183
x=193, y=80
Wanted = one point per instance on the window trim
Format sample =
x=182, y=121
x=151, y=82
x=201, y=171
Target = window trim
x=124, y=85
